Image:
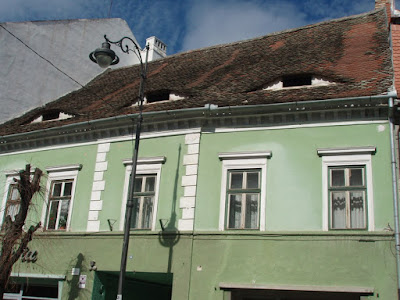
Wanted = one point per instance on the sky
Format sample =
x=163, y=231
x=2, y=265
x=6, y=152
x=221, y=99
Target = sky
x=190, y=24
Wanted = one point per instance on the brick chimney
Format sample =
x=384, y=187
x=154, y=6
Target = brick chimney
x=385, y=3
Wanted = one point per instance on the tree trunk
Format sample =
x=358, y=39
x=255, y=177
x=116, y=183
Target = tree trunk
x=15, y=239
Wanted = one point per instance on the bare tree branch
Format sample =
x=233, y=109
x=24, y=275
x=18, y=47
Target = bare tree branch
x=15, y=239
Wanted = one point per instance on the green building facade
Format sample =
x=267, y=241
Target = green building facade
x=282, y=193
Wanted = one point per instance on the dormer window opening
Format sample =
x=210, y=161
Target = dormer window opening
x=157, y=96
x=296, y=80
x=50, y=115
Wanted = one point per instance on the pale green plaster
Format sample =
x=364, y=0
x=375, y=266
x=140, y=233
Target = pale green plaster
x=294, y=173
x=290, y=260
x=58, y=254
x=318, y=259
x=170, y=184
x=85, y=155
x=294, y=204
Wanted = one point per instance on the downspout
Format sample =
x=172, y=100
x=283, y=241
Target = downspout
x=395, y=194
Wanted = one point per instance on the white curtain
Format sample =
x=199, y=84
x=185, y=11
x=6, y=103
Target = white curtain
x=338, y=210
x=357, y=209
x=251, y=220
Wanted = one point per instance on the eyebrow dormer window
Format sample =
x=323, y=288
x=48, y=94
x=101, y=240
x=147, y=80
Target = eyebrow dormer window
x=157, y=96
x=296, y=80
x=53, y=115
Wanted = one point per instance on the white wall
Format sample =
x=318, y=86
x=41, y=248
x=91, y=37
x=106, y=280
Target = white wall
x=27, y=81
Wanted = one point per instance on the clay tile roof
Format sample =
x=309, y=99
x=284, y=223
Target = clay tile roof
x=353, y=52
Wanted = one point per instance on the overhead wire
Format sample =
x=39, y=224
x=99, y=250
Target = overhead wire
x=57, y=68
x=45, y=59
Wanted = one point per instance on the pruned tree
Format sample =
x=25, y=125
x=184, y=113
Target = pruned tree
x=15, y=239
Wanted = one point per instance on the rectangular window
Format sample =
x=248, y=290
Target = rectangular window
x=146, y=188
x=13, y=202
x=59, y=203
x=243, y=199
x=347, y=194
x=143, y=201
x=56, y=214
x=243, y=190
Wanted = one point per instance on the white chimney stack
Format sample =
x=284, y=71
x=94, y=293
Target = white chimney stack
x=157, y=49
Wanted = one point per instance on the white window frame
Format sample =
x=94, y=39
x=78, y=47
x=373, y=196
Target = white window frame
x=10, y=176
x=243, y=161
x=356, y=159
x=68, y=172
x=145, y=166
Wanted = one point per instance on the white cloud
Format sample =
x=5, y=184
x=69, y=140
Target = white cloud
x=212, y=22
x=162, y=18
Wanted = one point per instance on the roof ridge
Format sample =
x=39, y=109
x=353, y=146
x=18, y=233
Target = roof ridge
x=276, y=33
x=346, y=18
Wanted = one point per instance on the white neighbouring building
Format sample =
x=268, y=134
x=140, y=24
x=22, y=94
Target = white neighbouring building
x=44, y=60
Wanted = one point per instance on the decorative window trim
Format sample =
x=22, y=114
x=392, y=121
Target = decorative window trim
x=60, y=173
x=145, y=165
x=74, y=167
x=350, y=150
x=243, y=160
x=244, y=155
x=347, y=160
x=146, y=160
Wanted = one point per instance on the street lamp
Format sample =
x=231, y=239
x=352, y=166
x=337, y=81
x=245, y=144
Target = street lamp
x=105, y=57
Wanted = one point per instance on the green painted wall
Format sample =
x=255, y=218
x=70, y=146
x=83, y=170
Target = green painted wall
x=316, y=259
x=294, y=173
x=319, y=260
x=148, y=253
x=173, y=148
x=277, y=256
x=85, y=155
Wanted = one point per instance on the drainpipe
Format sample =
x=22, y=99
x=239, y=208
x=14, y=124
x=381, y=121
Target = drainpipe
x=395, y=194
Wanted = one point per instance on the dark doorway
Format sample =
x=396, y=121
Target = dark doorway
x=138, y=285
x=290, y=295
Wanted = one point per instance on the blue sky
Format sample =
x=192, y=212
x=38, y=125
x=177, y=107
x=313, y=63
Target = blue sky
x=190, y=24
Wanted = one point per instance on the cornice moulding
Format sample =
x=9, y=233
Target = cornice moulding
x=73, y=167
x=346, y=150
x=146, y=160
x=244, y=155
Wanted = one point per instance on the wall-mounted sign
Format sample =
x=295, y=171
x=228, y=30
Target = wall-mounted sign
x=76, y=271
x=82, y=281
x=29, y=256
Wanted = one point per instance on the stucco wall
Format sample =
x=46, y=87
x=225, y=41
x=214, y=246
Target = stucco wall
x=27, y=80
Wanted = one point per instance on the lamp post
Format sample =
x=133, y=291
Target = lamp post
x=105, y=57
